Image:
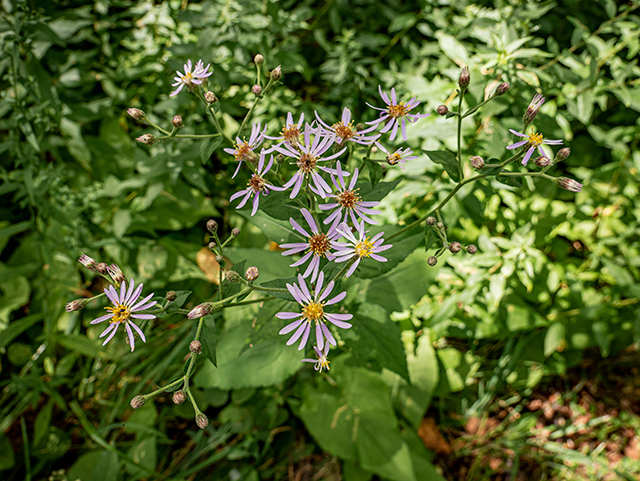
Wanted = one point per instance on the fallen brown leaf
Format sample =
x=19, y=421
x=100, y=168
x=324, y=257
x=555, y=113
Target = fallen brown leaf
x=432, y=437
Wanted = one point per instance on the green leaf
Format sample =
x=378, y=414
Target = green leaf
x=41, y=426
x=375, y=172
x=145, y=453
x=208, y=337
x=281, y=284
x=447, y=160
x=508, y=180
x=430, y=237
x=95, y=466
x=276, y=230
x=554, y=338
x=208, y=146
x=82, y=345
x=453, y=49
x=18, y=327
x=181, y=298
x=368, y=192
x=7, y=457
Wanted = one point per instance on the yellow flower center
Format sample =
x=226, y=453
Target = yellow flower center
x=256, y=183
x=313, y=311
x=535, y=139
x=291, y=133
x=120, y=313
x=307, y=163
x=394, y=158
x=319, y=244
x=323, y=363
x=398, y=110
x=243, y=151
x=349, y=198
x=345, y=132
x=364, y=248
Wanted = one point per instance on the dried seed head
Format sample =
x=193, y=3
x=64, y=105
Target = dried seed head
x=137, y=402
x=210, y=97
x=102, y=267
x=465, y=78
x=177, y=122
x=256, y=89
x=477, y=162
x=179, y=397
x=235, y=232
x=431, y=220
x=252, y=273
x=202, y=421
x=503, y=88
x=232, y=276
x=563, y=154
x=432, y=261
x=171, y=296
x=471, y=249
x=276, y=73
x=258, y=59
x=455, y=247
x=195, y=347
x=442, y=110
x=136, y=114
x=212, y=226
x=542, y=161
x=148, y=139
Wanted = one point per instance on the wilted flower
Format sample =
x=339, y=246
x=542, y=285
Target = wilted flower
x=358, y=248
x=243, y=150
x=116, y=274
x=532, y=109
x=87, y=261
x=533, y=141
x=200, y=310
x=76, y=305
x=148, y=139
x=394, y=112
x=400, y=156
x=321, y=362
x=276, y=73
x=348, y=201
x=290, y=132
x=313, y=312
x=136, y=114
x=257, y=185
x=318, y=245
x=569, y=184
x=125, y=308
x=345, y=131
x=190, y=79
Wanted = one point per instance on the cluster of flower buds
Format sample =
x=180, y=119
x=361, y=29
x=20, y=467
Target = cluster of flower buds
x=453, y=247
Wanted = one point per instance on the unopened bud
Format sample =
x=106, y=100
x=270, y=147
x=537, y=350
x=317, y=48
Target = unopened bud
x=258, y=59
x=235, y=232
x=280, y=158
x=542, y=161
x=202, y=421
x=251, y=273
x=477, y=162
x=210, y=97
x=431, y=220
x=87, y=261
x=442, y=110
x=432, y=261
x=171, y=296
x=116, y=274
x=233, y=277
x=471, y=249
x=148, y=139
x=256, y=89
x=200, y=311
x=195, y=347
x=137, y=402
x=136, y=114
x=219, y=259
x=76, y=305
x=179, y=397
x=359, y=127
x=563, y=154
x=455, y=247
x=177, y=122
x=276, y=73
x=212, y=226
x=503, y=88
x=569, y=184
x=440, y=225
x=102, y=268
x=212, y=246
x=465, y=78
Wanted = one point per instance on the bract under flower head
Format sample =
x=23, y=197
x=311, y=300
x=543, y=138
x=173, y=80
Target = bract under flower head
x=257, y=185
x=190, y=78
x=345, y=131
x=396, y=113
x=313, y=313
x=358, y=248
x=125, y=308
x=243, y=151
x=533, y=141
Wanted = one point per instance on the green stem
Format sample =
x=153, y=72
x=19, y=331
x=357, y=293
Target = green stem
x=268, y=289
x=460, y=171
x=157, y=127
x=192, y=360
x=165, y=388
x=189, y=136
x=473, y=110
x=255, y=104
x=214, y=117
x=343, y=271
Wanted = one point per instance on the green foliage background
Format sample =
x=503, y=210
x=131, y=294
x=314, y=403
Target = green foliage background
x=556, y=274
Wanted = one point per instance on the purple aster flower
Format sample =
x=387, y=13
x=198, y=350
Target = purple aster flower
x=307, y=156
x=243, y=151
x=190, y=79
x=318, y=245
x=396, y=112
x=290, y=132
x=534, y=140
x=321, y=361
x=358, y=248
x=313, y=312
x=125, y=308
x=569, y=184
x=400, y=156
x=345, y=131
x=257, y=185
x=348, y=201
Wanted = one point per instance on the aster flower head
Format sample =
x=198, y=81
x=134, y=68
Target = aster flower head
x=257, y=185
x=533, y=141
x=569, y=184
x=345, y=131
x=290, y=132
x=126, y=307
x=307, y=155
x=360, y=247
x=313, y=313
x=532, y=109
x=399, y=157
x=318, y=245
x=396, y=114
x=243, y=151
x=347, y=201
x=321, y=362
x=190, y=78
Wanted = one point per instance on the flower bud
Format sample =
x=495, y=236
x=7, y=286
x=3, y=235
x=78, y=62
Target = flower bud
x=212, y=246
x=179, y=397
x=171, y=296
x=563, y=154
x=200, y=311
x=232, y=276
x=569, y=184
x=465, y=78
x=137, y=402
x=431, y=220
x=440, y=225
x=503, y=88
x=276, y=73
x=471, y=249
x=177, y=122
x=116, y=274
x=219, y=259
x=136, y=114
x=210, y=97
x=442, y=110
x=477, y=162
x=280, y=159
x=432, y=261
x=148, y=139
x=256, y=89
x=102, y=268
x=76, y=305
x=212, y=226
x=542, y=161
x=195, y=347
x=258, y=59
x=87, y=261
x=252, y=273
x=235, y=232
x=455, y=247
x=202, y=421
x=359, y=127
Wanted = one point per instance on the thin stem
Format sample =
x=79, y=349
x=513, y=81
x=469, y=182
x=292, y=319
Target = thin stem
x=214, y=117
x=253, y=301
x=189, y=136
x=192, y=361
x=473, y=110
x=460, y=117
x=157, y=127
x=255, y=104
x=165, y=388
x=343, y=271
x=268, y=289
